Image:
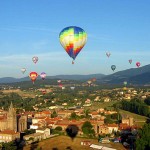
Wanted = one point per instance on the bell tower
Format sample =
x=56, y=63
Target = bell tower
x=11, y=118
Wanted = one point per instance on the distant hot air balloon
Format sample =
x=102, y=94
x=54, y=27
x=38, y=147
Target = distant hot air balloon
x=125, y=83
x=113, y=67
x=89, y=82
x=59, y=81
x=23, y=70
x=130, y=61
x=33, y=76
x=73, y=39
x=43, y=75
x=94, y=79
x=108, y=54
x=138, y=64
x=35, y=59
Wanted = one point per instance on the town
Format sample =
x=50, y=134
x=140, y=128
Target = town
x=30, y=115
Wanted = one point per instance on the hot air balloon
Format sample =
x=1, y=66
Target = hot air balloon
x=33, y=76
x=73, y=39
x=113, y=67
x=59, y=81
x=108, y=54
x=89, y=81
x=35, y=59
x=94, y=79
x=43, y=75
x=130, y=61
x=125, y=83
x=72, y=131
x=138, y=64
x=23, y=70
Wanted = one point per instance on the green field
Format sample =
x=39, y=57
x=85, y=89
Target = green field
x=97, y=105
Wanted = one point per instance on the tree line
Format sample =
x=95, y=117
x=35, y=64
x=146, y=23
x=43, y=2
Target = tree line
x=136, y=106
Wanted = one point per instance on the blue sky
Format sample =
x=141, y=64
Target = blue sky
x=32, y=27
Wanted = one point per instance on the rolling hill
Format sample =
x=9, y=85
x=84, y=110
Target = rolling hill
x=137, y=76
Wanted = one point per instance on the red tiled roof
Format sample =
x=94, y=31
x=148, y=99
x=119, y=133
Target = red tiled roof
x=112, y=125
x=9, y=132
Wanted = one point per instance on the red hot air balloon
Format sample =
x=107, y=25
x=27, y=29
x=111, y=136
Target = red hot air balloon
x=138, y=64
x=33, y=76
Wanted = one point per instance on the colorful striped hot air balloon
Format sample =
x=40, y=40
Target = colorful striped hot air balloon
x=73, y=40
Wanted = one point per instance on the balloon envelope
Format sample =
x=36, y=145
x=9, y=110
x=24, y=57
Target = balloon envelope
x=59, y=81
x=108, y=54
x=23, y=70
x=138, y=64
x=43, y=75
x=130, y=61
x=73, y=39
x=125, y=82
x=113, y=67
x=33, y=76
x=35, y=59
x=72, y=131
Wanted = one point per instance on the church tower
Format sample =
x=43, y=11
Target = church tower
x=11, y=118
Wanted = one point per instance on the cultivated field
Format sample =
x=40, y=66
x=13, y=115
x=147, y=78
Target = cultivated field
x=65, y=143
x=21, y=93
x=97, y=105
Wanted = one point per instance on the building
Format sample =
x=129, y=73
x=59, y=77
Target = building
x=9, y=119
x=22, y=123
x=112, y=128
x=9, y=135
x=45, y=131
x=129, y=121
x=33, y=138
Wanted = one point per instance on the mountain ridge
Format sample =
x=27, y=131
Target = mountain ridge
x=139, y=75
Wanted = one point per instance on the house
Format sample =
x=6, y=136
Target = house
x=86, y=143
x=33, y=138
x=112, y=127
x=9, y=135
x=106, y=99
x=64, y=114
x=45, y=131
x=129, y=121
x=102, y=129
x=88, y=101
x=95, y=114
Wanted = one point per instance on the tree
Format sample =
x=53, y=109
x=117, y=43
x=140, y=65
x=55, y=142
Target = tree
x=9, y=146
x=59, y=128
x=87, y=129
x=73, y=116
x=143, y=142
x=86, y=112
x=54, y=114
